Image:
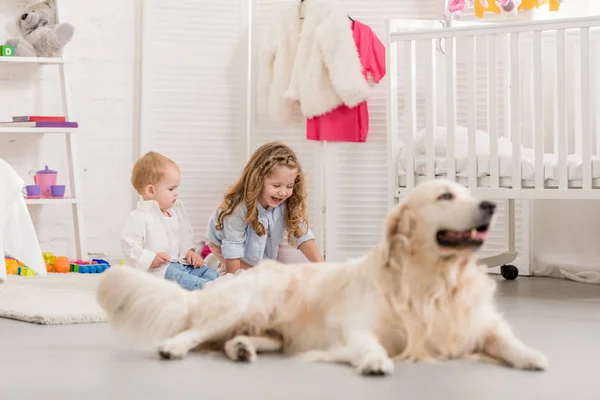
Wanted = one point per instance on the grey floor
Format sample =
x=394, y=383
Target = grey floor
x=91, y=362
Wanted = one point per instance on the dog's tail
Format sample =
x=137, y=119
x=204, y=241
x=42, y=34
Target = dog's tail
x=143, y=306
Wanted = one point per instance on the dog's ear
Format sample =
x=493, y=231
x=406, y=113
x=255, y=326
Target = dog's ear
x=399, y=226
x=399, y=222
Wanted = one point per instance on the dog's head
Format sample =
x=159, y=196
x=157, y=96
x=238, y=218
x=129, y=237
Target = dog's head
x=440, y=218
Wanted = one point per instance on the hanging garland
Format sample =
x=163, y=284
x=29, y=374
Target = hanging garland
x=455, y=7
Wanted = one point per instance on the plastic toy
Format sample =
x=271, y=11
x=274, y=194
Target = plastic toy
x=49, y=257
x=24, y=271
x=12, y=266
x=7, y=51
x=61, y=264
x=96, y=266
x=45, y=178
x=16, y=267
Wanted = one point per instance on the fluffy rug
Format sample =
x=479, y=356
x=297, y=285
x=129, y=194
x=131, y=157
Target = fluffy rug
x=53, y=299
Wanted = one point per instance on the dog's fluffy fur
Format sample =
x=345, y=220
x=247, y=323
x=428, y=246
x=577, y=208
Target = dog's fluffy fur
x=419, y=295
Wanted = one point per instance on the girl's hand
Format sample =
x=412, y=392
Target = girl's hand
x=194, y=259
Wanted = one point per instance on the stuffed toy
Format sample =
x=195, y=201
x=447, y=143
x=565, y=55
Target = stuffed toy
x=42, y=36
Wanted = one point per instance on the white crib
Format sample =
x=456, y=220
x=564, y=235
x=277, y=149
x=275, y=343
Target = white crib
x=511, y=110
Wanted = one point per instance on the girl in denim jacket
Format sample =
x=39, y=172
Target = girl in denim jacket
x=266, y=201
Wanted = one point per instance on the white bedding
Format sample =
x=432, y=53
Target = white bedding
x=505, y=165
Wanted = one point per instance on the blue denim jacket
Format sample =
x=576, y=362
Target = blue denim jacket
x=238, y=239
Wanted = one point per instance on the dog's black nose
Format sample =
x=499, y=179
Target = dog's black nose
x=488, y=207
x=24, y=16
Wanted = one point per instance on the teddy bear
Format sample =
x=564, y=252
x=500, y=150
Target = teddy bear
x=41, y=35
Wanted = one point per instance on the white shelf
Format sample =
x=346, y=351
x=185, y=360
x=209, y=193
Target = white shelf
x=65, y=200
x=32, y=130
x=33, y=60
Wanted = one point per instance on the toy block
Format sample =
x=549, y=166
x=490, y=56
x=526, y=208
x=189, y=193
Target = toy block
x=24, y=271
x=12, y=267
x=49, y=257
x=7, y=51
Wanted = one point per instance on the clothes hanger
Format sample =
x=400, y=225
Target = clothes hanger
x=349, y=17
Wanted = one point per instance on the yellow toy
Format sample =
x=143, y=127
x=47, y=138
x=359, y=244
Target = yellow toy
x=24, y=271
x=49, y=257
x=12, y=266
x=499, y=6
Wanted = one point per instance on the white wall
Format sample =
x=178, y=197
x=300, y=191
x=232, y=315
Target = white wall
x=102, y=82
x=194, y=95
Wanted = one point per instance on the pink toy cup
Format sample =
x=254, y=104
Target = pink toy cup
x=32, y=190
x=57, y=190
x=45, y=178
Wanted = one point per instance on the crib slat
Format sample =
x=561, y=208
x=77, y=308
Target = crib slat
x=430, y=106
x=493, y=110
x=410, y=109
x=515, y=109
x=472, y=107
x=561, y=108
x=451, y=105
x=596, y=66
x=586, y=142
x=537, y=110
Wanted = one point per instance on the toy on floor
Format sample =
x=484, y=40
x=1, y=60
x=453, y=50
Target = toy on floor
x=16, y=267
x=61, y=264
x=96, y=266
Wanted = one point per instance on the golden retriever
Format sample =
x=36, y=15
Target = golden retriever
x=419, y=295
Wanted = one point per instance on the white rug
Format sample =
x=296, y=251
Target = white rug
x=53, y=299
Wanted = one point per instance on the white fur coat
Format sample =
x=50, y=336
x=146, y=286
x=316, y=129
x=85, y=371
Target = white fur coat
x=308, y=62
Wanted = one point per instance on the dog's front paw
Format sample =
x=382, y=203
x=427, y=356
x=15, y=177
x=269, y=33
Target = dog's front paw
x=530, y=359
x=376, y=364
x=172, y=350
x=240, y=349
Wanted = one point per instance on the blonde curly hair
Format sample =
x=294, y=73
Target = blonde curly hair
x=251, y=182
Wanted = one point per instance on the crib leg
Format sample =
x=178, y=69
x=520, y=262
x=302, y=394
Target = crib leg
x=508, y=271
x=510, y=225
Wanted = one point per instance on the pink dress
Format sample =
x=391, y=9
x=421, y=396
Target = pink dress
x=345, y=124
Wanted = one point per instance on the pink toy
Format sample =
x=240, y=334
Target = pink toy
x=45, y=178
x=456, y=6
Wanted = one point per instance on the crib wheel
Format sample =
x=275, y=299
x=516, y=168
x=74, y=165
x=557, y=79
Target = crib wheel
x=509, y=272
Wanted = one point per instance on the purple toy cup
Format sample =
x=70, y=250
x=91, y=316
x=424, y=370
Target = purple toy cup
x=32, y=190
x=57, y=190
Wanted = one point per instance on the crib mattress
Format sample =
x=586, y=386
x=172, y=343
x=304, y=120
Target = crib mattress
x=551, y=170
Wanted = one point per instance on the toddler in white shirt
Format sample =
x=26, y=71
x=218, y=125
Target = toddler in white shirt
x=158, y=236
